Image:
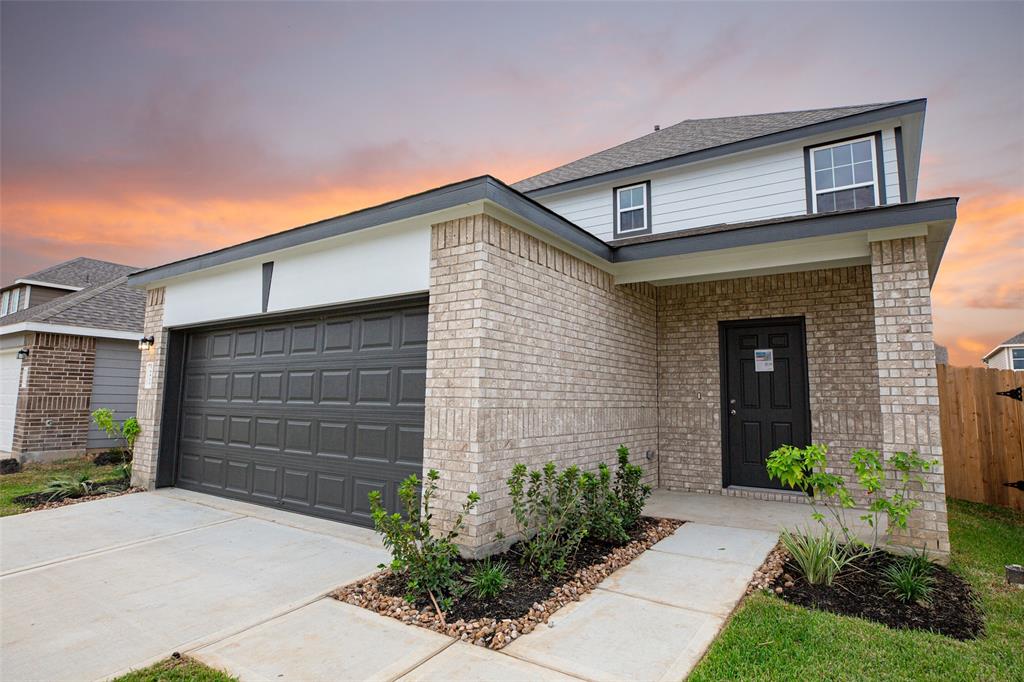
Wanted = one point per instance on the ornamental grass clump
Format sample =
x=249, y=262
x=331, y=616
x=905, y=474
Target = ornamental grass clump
x=909, y=579
x=820, y=558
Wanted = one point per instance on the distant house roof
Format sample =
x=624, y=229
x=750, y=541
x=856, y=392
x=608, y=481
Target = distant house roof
x=1015, y=340
x=111, y=305
x=698, y=135
x=78, y=272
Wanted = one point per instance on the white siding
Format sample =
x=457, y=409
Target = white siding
x=757, y=185
x=10, y=377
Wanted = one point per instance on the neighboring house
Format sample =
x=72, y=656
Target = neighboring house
x=1007, y=355
x=702, y=294
x=69, y=340
x=941, y=355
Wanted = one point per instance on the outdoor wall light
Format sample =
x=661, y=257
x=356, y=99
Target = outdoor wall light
x=23, y=353
x=145, y=343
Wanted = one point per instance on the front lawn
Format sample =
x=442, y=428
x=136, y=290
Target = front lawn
x=183, y=669
x=770, y=639
x=34, y=477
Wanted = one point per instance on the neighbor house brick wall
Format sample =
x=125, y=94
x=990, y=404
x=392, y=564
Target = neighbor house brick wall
x=908, y=387
x=52, y=418
x=533, y=355
x=837, y=306
x=150, y=400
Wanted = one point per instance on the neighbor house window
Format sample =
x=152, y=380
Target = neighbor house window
x=632, y=209
x=843, y=176
x=15, y=300
x=1017, y=358
x=3, y=304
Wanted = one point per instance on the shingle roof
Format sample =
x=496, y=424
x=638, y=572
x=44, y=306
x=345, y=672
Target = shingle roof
x=687, y=137
x=110, y=305
x=1014, y=340
x=81, y=272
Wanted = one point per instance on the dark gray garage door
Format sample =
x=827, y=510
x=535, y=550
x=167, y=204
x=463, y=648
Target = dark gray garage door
x=308, y=414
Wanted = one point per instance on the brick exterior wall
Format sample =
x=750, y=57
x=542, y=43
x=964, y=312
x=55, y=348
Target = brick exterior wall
x=150, y=400
x=837, y=306
x=52, y=418
x=908, y=386
x=533, y=355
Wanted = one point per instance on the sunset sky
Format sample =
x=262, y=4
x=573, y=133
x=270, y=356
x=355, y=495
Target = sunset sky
x=146, y=132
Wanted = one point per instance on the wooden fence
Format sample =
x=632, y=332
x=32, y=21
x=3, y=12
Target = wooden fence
x=982, y=434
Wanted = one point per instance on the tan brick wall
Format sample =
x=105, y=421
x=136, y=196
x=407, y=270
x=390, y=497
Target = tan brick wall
x=837, y=308
x=908, y=387
x=150, y=400
x=52, y=418
x=533, y=355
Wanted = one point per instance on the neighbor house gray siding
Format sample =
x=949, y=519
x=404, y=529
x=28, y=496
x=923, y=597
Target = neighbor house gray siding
x=41, y=295
x=115, y=384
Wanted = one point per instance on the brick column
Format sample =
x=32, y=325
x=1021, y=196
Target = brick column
x=52, y=419
x=907, y=384
x=150, y=402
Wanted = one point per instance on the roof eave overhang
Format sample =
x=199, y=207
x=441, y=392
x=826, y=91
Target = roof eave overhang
x=916, y=106
x=68, y=329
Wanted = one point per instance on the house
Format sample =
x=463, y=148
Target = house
x=702, y=294
x=941, y=355
x=69, y=339
x=1007, y=355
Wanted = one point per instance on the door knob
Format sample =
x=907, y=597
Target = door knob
x=732, y=411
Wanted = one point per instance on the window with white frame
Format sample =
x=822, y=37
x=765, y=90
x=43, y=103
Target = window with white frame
x=15, y=303
x=843, y=176
x=3, y=304
x=632, y=209
x=1017, y=358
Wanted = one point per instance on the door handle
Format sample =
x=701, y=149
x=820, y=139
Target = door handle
x=732, y=411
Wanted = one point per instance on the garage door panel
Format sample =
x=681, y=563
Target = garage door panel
x=310, y=415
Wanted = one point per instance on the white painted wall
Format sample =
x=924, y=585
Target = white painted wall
x=756, y=185
x=10, y=377
x=375, y=263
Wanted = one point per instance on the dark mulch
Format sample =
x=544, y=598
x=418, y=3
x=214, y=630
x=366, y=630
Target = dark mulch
x=526, y=586
x=953, y=609
x=111, y=457
x=39, y=499
x=9, y=466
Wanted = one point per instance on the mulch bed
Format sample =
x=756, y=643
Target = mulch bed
x=38, y=501
x=859, y=591
x=528, y=601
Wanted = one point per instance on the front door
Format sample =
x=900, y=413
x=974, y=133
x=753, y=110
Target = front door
x=765, y=395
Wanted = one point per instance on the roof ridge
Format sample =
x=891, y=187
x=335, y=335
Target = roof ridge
x=795, y=111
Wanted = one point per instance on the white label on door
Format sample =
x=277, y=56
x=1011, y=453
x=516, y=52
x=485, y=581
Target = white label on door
x=149, y=376
x=764, y=360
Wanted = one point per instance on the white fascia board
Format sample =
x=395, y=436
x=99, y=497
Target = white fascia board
x=71, y=330
x=49, y=285
x=1000, y=347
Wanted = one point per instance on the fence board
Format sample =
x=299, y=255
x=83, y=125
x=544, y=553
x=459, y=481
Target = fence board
x=982, y=440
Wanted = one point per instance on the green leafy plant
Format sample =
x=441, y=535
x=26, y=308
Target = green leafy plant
x=64, y=487
x=488, y=579
x=630, y=489
x=429, y=563
x=548, y=510
x=909, y=579
x=126, y=433
x=820, y=558
x=805, y=469
x=603, y=510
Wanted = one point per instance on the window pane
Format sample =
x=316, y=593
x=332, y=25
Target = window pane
x=862, y=150
x=864, y=196
x=822, y=158
x=844, y=200
x=862, y=172
x=844, y=176
x=638, y=196
x=15, y=299
x=625, y=199
x=823, y=179
x=842, y=155
x=826, y=203
x=3, y=306
x=631, y=220
x=1018, y=358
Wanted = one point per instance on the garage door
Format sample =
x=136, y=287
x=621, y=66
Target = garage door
x=309, y=414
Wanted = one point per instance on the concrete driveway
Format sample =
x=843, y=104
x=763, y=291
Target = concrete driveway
x=92, y=590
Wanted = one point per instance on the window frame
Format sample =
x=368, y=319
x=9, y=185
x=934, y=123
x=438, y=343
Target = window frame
x=878, y=168
x=616, y=212
x=5, y=300
x=1013, y=359
x=14, y=305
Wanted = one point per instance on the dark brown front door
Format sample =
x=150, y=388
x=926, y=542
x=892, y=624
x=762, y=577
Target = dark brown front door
x=765, y=395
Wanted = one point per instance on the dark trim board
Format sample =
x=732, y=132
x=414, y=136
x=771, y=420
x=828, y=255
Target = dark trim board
x=723, y=327
x=648, y=210
x=900, y=167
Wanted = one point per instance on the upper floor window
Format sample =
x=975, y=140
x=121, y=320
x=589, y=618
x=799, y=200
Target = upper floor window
x=632, y=209
x=843, y=176
x=6, y=299
x=1017, y=360
x=11, y=301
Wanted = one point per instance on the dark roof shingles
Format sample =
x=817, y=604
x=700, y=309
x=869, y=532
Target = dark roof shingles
x=111, y=305
x=81, y=272
x=1014, y=340
x=687, y=137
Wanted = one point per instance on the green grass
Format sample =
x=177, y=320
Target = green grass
x=769, y=639
x=34, y=478
x=182, y=669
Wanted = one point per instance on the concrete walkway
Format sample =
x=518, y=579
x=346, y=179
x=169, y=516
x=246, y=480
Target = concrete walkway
x=651, y=620
x=92, y=590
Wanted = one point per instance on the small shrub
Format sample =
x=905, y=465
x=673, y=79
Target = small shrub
x=630, y=489
x=9, y=466
x=127, y=432
x=429, y=563
x=64, y=487
x=487, y=579
x=603, y=509
x=818, y=558
x=548, y=510
x=909, y=579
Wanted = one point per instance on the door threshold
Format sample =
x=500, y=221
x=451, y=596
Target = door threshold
x=773, y=491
